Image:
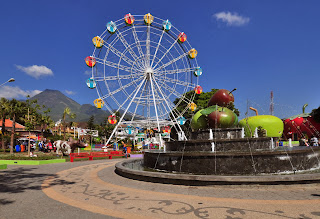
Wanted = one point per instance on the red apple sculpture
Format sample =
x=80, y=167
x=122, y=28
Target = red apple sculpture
x=301, y=125
x=222, y=98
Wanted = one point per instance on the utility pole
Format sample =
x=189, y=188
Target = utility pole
x=271, y=104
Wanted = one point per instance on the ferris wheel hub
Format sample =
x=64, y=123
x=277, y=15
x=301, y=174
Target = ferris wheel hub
x=148, y=73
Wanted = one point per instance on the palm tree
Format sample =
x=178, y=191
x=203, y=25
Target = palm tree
x=16, y=109
x=66, y=112
x=3, y=112
x=44, y=120
x=32, y=116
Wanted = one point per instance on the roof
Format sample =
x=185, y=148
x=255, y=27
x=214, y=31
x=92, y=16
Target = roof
x=8, y=124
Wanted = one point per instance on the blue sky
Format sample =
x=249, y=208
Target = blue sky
x=255, y=46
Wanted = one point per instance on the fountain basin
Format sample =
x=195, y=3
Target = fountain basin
x=234, y=162
x=134, y=169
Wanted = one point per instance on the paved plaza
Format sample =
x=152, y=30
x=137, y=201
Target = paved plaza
x=91, y=189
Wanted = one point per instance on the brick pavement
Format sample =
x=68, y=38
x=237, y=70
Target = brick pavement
x=92, y=189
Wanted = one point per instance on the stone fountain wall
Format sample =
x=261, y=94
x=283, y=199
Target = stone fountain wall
x=232, y=155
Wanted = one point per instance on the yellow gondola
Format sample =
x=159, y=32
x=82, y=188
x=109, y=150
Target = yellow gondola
x=192, y=106
x=192, y=53
x=97, y=42
x=148, y=19
x=98, y=103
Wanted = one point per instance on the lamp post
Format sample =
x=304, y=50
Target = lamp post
x=10, y=80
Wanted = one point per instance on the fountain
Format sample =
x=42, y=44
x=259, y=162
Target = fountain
x=223, y=154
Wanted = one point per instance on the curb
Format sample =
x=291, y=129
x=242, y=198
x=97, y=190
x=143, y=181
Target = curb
x=188, y=179
x=31, y=162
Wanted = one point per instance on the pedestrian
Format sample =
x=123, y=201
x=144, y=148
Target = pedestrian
x=40, y=144
x=314, y=141
x=303, y=142
x=124, y=149
x=50, y=146
x=115, y=145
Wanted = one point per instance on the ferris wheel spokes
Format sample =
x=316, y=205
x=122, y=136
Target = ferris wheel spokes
x=121, y=88
x=135, y=111
x=172, y=61
x=117, y=77
x=124, y=102
x=171, y=111
x=116, y=66
x=178, y=95
x=175, y=71
x=137, y=41
x=148, y=48
x=176, y=81
x=155, y=53
x=130, y=50
x=124, y=113
x=154, y=100
x=119, y=54
x=164, y=54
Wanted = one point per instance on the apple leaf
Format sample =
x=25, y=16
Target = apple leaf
x=209, y=110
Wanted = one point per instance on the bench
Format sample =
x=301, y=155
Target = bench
x=100, y=154
x=115, y=154
x=80, y=155
x=91, y=155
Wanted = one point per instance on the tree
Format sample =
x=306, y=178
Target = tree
x=90, y=123
x=32, y=118
x=4, y=111
x=66, y=112
x=17, y=109
x=315, y=113
x=201, y=100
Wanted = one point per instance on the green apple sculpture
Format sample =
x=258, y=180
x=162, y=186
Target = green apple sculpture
x=273, y=125
x=220, y=117
x=199, y=121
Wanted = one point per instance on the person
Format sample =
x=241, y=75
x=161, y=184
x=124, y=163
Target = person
x=50, y=146
x=124, y=149
x=33, y=146
x=40, y=145
x=314, y=141
x=303, y=142
x=115, y=146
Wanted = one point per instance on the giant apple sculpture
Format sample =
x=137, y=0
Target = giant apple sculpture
x=199, y=121
x=273, y=125
x=220, y=117
x=301, y=125
x=222, y=97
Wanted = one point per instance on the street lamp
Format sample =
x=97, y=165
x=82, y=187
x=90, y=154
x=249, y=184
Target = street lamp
x=10, y=80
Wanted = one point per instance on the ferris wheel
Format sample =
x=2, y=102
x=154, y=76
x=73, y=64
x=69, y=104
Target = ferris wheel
x=142, y=67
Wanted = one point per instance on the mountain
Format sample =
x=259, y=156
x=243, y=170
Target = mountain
x=57, y=102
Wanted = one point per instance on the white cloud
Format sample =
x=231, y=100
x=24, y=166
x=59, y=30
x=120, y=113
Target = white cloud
x=16, y=92
x=232, y=19
x=69, y=92
x=36, y=71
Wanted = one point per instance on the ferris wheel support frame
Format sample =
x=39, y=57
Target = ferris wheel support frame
x=115, y=128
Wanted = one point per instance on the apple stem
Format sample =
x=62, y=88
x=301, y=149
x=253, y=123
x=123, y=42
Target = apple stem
x=304, y=107
x=232, y=90
x=254, y=110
